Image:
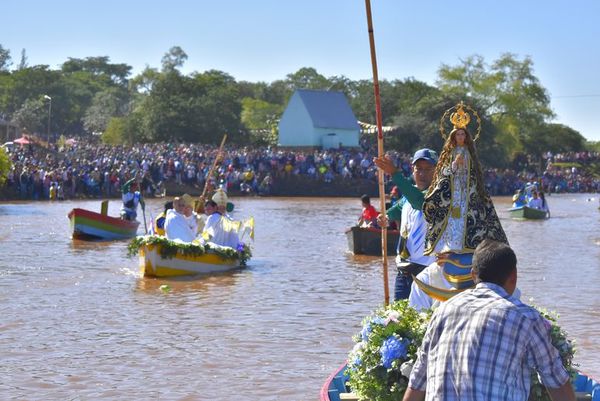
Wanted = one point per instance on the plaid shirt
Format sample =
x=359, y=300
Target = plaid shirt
x=482, y=345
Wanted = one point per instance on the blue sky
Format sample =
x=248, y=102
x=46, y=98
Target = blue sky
x=264, y=40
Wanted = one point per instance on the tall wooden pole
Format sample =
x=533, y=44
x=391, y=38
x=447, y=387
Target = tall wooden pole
x=212, y=168
x=380, y=152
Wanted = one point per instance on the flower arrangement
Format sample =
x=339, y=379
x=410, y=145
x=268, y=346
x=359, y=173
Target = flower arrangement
x=168, y=248
x=380, y=363
x=385, y=350
x=566, y=349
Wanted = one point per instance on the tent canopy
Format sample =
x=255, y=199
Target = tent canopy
x=22, y=141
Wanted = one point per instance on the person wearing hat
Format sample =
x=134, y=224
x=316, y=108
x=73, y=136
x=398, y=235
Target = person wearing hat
x=410, y=259
x=178, y=221
x=131, y=198
x=218, y=228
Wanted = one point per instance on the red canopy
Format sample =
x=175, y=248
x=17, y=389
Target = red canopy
x=22, y=141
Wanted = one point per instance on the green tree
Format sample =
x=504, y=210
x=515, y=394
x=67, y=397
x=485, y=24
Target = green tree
x=105, y=105
x=100, y=68
x=4, y=59
x=5, y=166
x=261, y=119
x=558, y=138
x=508, y=91
x=23, y=62
x=32, y=115
x=173, y=59
x=115, y=132
x=306, y=78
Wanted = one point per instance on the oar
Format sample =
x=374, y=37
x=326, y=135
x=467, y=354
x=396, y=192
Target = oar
x=210, y=173
x=380, y=152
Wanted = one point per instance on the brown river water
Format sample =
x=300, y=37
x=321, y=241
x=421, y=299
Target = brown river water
x=77, y=322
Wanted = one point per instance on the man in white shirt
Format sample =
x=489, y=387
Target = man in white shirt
x=178, y=225
x=536, y=202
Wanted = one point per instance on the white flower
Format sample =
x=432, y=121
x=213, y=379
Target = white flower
x=406, y=368
x=358, y=347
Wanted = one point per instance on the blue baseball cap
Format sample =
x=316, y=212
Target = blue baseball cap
x=425, y=154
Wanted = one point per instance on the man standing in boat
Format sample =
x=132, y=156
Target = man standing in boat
x=410, y=258
x=131, y=198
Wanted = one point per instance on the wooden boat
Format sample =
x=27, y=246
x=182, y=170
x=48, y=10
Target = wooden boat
x=367, y=241
x=88, y=225
x=525, y=212
x=585, y=387
x=152, y=264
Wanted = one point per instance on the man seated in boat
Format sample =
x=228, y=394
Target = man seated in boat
x=131, y=199
x=220, y=229
x=368, y=217
x=180, y=222
x=535, y=202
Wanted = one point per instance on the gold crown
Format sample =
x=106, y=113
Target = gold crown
x=460, y=118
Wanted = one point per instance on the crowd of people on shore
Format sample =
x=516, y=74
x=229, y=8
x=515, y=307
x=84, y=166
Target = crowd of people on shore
x=95, y=170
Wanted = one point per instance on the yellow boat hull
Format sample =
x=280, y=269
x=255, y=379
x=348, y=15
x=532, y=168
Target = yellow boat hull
x=153, y=265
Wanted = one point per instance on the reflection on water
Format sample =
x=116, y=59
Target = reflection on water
x=78, y=321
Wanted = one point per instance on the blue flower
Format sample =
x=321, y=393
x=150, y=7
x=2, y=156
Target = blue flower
x=379, y=320
x=366, y=330
x=240, y=247
x=357, y=361
x=393, y=348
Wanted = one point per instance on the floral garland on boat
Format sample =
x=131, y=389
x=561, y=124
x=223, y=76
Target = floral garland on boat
x=380, y=363
x=168, y=248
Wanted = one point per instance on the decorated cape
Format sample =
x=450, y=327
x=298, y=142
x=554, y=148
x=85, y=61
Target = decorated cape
x=481, y=220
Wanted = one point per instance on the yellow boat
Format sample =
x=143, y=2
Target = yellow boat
x=155, y=262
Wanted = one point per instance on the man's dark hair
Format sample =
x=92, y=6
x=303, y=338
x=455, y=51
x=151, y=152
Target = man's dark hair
x=210, y=203
x=365, y=199
x=493, y=262
x=168, y=205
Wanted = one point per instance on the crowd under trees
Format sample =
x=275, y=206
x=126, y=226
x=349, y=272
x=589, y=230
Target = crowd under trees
x=93, y=95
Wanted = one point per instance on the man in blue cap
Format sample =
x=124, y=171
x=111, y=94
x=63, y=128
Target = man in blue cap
x=410, y=258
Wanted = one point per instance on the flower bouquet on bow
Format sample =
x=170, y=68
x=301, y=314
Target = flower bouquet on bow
x=380, y=362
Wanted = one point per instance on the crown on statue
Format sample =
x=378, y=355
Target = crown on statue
x=460, y=118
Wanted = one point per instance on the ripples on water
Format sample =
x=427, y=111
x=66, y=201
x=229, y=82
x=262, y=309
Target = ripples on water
x=79, y=323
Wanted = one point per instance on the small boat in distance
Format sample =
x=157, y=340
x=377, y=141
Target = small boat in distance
x=367, y=241
x=88, y=225
x=526, y=212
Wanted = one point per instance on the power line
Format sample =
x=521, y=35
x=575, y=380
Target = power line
x=566, y=96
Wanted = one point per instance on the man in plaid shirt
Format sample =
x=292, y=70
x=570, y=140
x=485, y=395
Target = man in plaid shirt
x=483, y=344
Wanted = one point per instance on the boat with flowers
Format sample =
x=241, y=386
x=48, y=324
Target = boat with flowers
x=380, y=363
x=88, y=225
x=336, y=387
x=367, y=241
x=160, y=257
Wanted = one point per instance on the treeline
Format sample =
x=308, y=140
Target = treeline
x=93, y=95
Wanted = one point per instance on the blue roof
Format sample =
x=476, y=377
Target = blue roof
x=328, y=109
